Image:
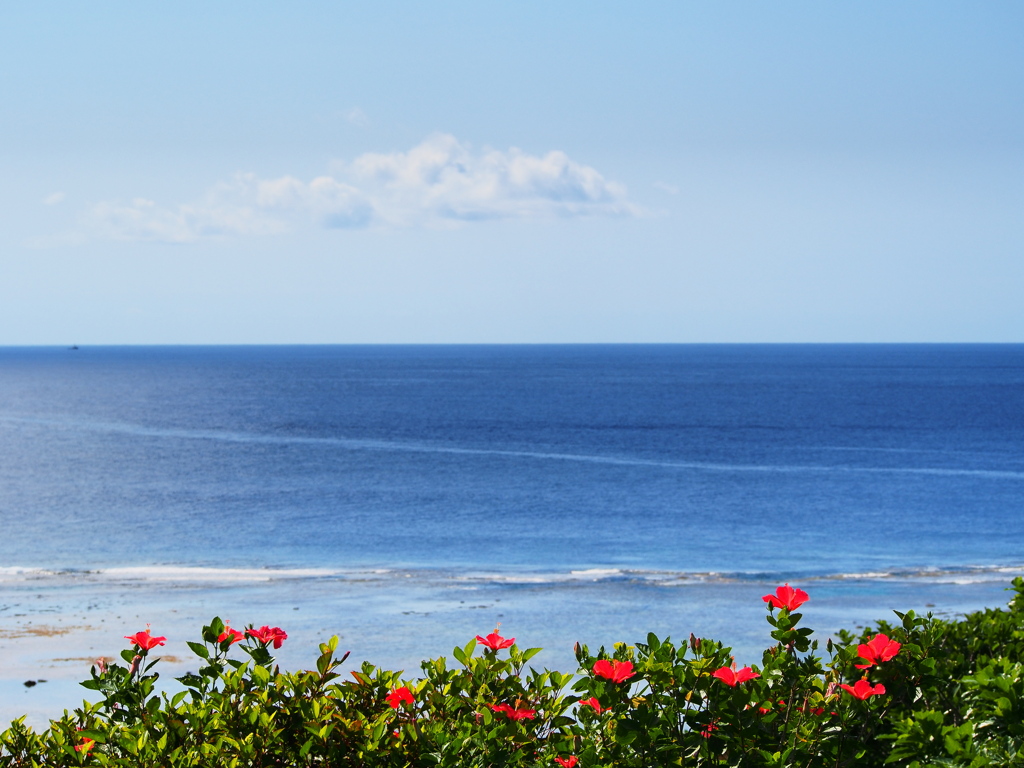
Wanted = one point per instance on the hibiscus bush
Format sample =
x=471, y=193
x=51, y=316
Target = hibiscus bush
x=918, y=691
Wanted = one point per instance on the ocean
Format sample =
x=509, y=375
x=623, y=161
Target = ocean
x=407, y=498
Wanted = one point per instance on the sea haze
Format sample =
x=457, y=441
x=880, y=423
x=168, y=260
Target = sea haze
x=568, y=491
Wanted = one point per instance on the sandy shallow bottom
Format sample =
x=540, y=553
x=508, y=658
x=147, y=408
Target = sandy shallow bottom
x=53, y=628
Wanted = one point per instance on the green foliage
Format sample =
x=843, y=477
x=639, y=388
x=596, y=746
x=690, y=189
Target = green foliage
x=915, y=692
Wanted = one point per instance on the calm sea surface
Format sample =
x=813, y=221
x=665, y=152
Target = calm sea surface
x=559, y=489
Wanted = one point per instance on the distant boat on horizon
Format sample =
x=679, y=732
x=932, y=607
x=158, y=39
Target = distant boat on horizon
x=73, y=346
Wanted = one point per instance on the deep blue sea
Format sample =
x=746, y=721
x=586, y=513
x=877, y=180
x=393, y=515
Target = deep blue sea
x=566, y=491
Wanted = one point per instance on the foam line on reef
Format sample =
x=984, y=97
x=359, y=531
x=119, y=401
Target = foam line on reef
x=169, y=575
x=957, y=575
x=164, y=573
x=363, y=444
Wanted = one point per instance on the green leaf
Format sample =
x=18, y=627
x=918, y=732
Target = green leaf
x=199, y=649
x=261, y=675
x=191, y=680
x=529, y=653
x=213, y=630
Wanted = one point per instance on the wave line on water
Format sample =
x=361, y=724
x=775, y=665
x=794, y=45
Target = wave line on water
x=397, y=446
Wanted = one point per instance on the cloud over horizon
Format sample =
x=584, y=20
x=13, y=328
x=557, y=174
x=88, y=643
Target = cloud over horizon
x=441, y=182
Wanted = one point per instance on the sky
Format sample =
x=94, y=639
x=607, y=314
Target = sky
x=536, y=172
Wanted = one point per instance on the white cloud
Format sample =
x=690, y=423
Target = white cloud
x=357, y=117
x=246, y=205
x=443, y=179
x=326, y=200
x=143, y=219
x=439, y=182
x=53, y=199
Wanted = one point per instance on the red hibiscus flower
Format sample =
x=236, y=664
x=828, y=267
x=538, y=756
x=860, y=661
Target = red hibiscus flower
x=614, y=670
x=880, y=648
x=236, y=635
x=708, y=729
x=862, y=689
x=786, y=597
x=268, y=635
x=567, y=762
x=85, y=746
x=514, y=713
x=731, y=676
x=592, y=702
x=495, y=642
x=145, y=641
x=397, y=697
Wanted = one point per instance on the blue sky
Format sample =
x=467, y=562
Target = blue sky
x=530, y=172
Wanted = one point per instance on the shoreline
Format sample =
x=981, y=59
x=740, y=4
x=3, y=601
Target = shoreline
x=55, y=630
